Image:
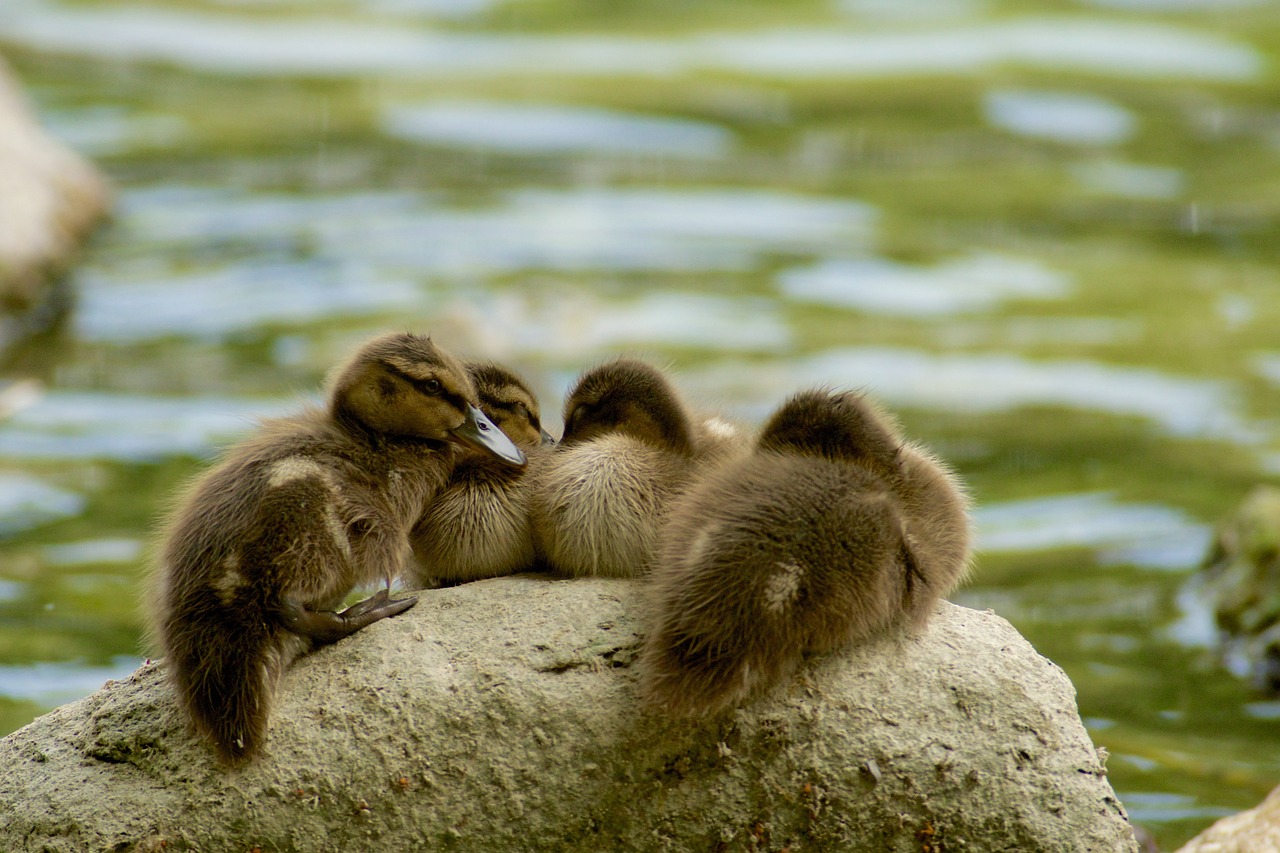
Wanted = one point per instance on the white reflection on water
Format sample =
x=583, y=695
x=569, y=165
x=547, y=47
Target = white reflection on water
x=335, y=48
x=1020, y=332
x=1176, y=5
x=636, y=229
x=119, y=306
x=70, y=425
x=51, y=684
x=414, y=8
x=109, y=130
x=26, y=501
x=1129, y=180
x=568, y=325
x=361, y=254
x=1197, y=626
x=978, y=282
x=585, y=228
x=91, y=551
x=987, y=383
x=550, y=129
x=1267, y=365
x=1159, y=807
x=1060, y=116
x=1263, y=710
x=1146, y=535
x=912, y=10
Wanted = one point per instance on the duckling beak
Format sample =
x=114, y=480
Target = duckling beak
x=547, y=440
x=479, y=432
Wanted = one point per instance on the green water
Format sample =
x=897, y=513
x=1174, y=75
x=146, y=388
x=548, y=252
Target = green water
x=1044, y=233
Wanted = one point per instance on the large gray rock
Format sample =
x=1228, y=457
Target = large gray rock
x=1257, y=829
x=502, y=715
x=50, y=198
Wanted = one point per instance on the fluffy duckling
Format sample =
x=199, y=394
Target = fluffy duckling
x=478, y=526
x=629, y=447
x=288, y=522
x=831, y=531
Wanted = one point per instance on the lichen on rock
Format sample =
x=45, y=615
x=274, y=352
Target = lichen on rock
x=503, y=715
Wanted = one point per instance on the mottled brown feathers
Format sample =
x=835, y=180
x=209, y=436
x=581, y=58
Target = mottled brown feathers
x=629, y=448
x=627, y=397
x=830, y=532
x=289, y=521
x=478, y=525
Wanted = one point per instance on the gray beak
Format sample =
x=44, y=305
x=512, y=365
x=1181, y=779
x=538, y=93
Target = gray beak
x=547, y=440
x=479, y=432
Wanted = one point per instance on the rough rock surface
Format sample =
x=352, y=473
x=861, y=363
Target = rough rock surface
x=1250, y=831
x=50, y=198
x=501, y=715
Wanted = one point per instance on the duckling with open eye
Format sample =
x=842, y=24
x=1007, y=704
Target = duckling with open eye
x=830, y=532
x=478, y=525
x=267, y=542
x=629, y=447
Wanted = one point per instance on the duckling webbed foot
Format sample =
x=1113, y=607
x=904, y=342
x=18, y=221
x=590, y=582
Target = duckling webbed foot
x=326, y=626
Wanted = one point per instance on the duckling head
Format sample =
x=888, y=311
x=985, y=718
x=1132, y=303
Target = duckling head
x=402, y=386
x=509, y=402
x=630, y=397
x=842, y=426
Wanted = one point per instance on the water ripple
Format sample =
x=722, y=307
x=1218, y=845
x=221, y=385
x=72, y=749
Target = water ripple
x=993, y=382
x=977, y=282
x=51, y=684
x=1147, y=535
x=254, y=45
x=551, y=129
x=129, y=427
x=26, y=501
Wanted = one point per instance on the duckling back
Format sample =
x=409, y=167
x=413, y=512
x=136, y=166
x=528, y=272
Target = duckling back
x=478, y=525
x=267, y=542
x=224, y=579
x=810, y=543
x=628, y=449
x=938, y=525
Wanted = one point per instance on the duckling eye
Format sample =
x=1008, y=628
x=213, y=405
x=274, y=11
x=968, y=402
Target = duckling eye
x=430, y=386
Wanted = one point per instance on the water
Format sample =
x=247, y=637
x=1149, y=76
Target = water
x=1043, y=234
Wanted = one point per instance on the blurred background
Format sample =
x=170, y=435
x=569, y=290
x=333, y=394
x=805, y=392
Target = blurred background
x=1044, y=233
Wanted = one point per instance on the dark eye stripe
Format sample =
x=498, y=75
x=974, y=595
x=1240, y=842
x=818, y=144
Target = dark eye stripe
x=429, y=387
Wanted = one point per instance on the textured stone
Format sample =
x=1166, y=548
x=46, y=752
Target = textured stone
x=1250, y=831
x=502, y=715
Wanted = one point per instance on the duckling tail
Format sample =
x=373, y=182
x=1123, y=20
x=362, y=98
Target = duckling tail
x=720, y=632
x=226, y=665
x=748, y=599
x=687, y=676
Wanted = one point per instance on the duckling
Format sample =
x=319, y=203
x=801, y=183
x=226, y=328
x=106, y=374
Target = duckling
x=275, y=535
x=629, y=447
x=478, y=525
x=831, y=531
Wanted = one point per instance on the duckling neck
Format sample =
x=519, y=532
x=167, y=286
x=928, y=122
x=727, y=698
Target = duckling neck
x=377, y=441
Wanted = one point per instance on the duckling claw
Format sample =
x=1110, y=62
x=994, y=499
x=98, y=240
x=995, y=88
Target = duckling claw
x=326, y=626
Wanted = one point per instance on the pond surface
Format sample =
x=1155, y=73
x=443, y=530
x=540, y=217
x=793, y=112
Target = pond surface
x=1043, y=233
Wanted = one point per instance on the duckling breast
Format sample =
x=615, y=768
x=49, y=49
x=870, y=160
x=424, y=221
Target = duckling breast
x=597, y=507
x=476, y=527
